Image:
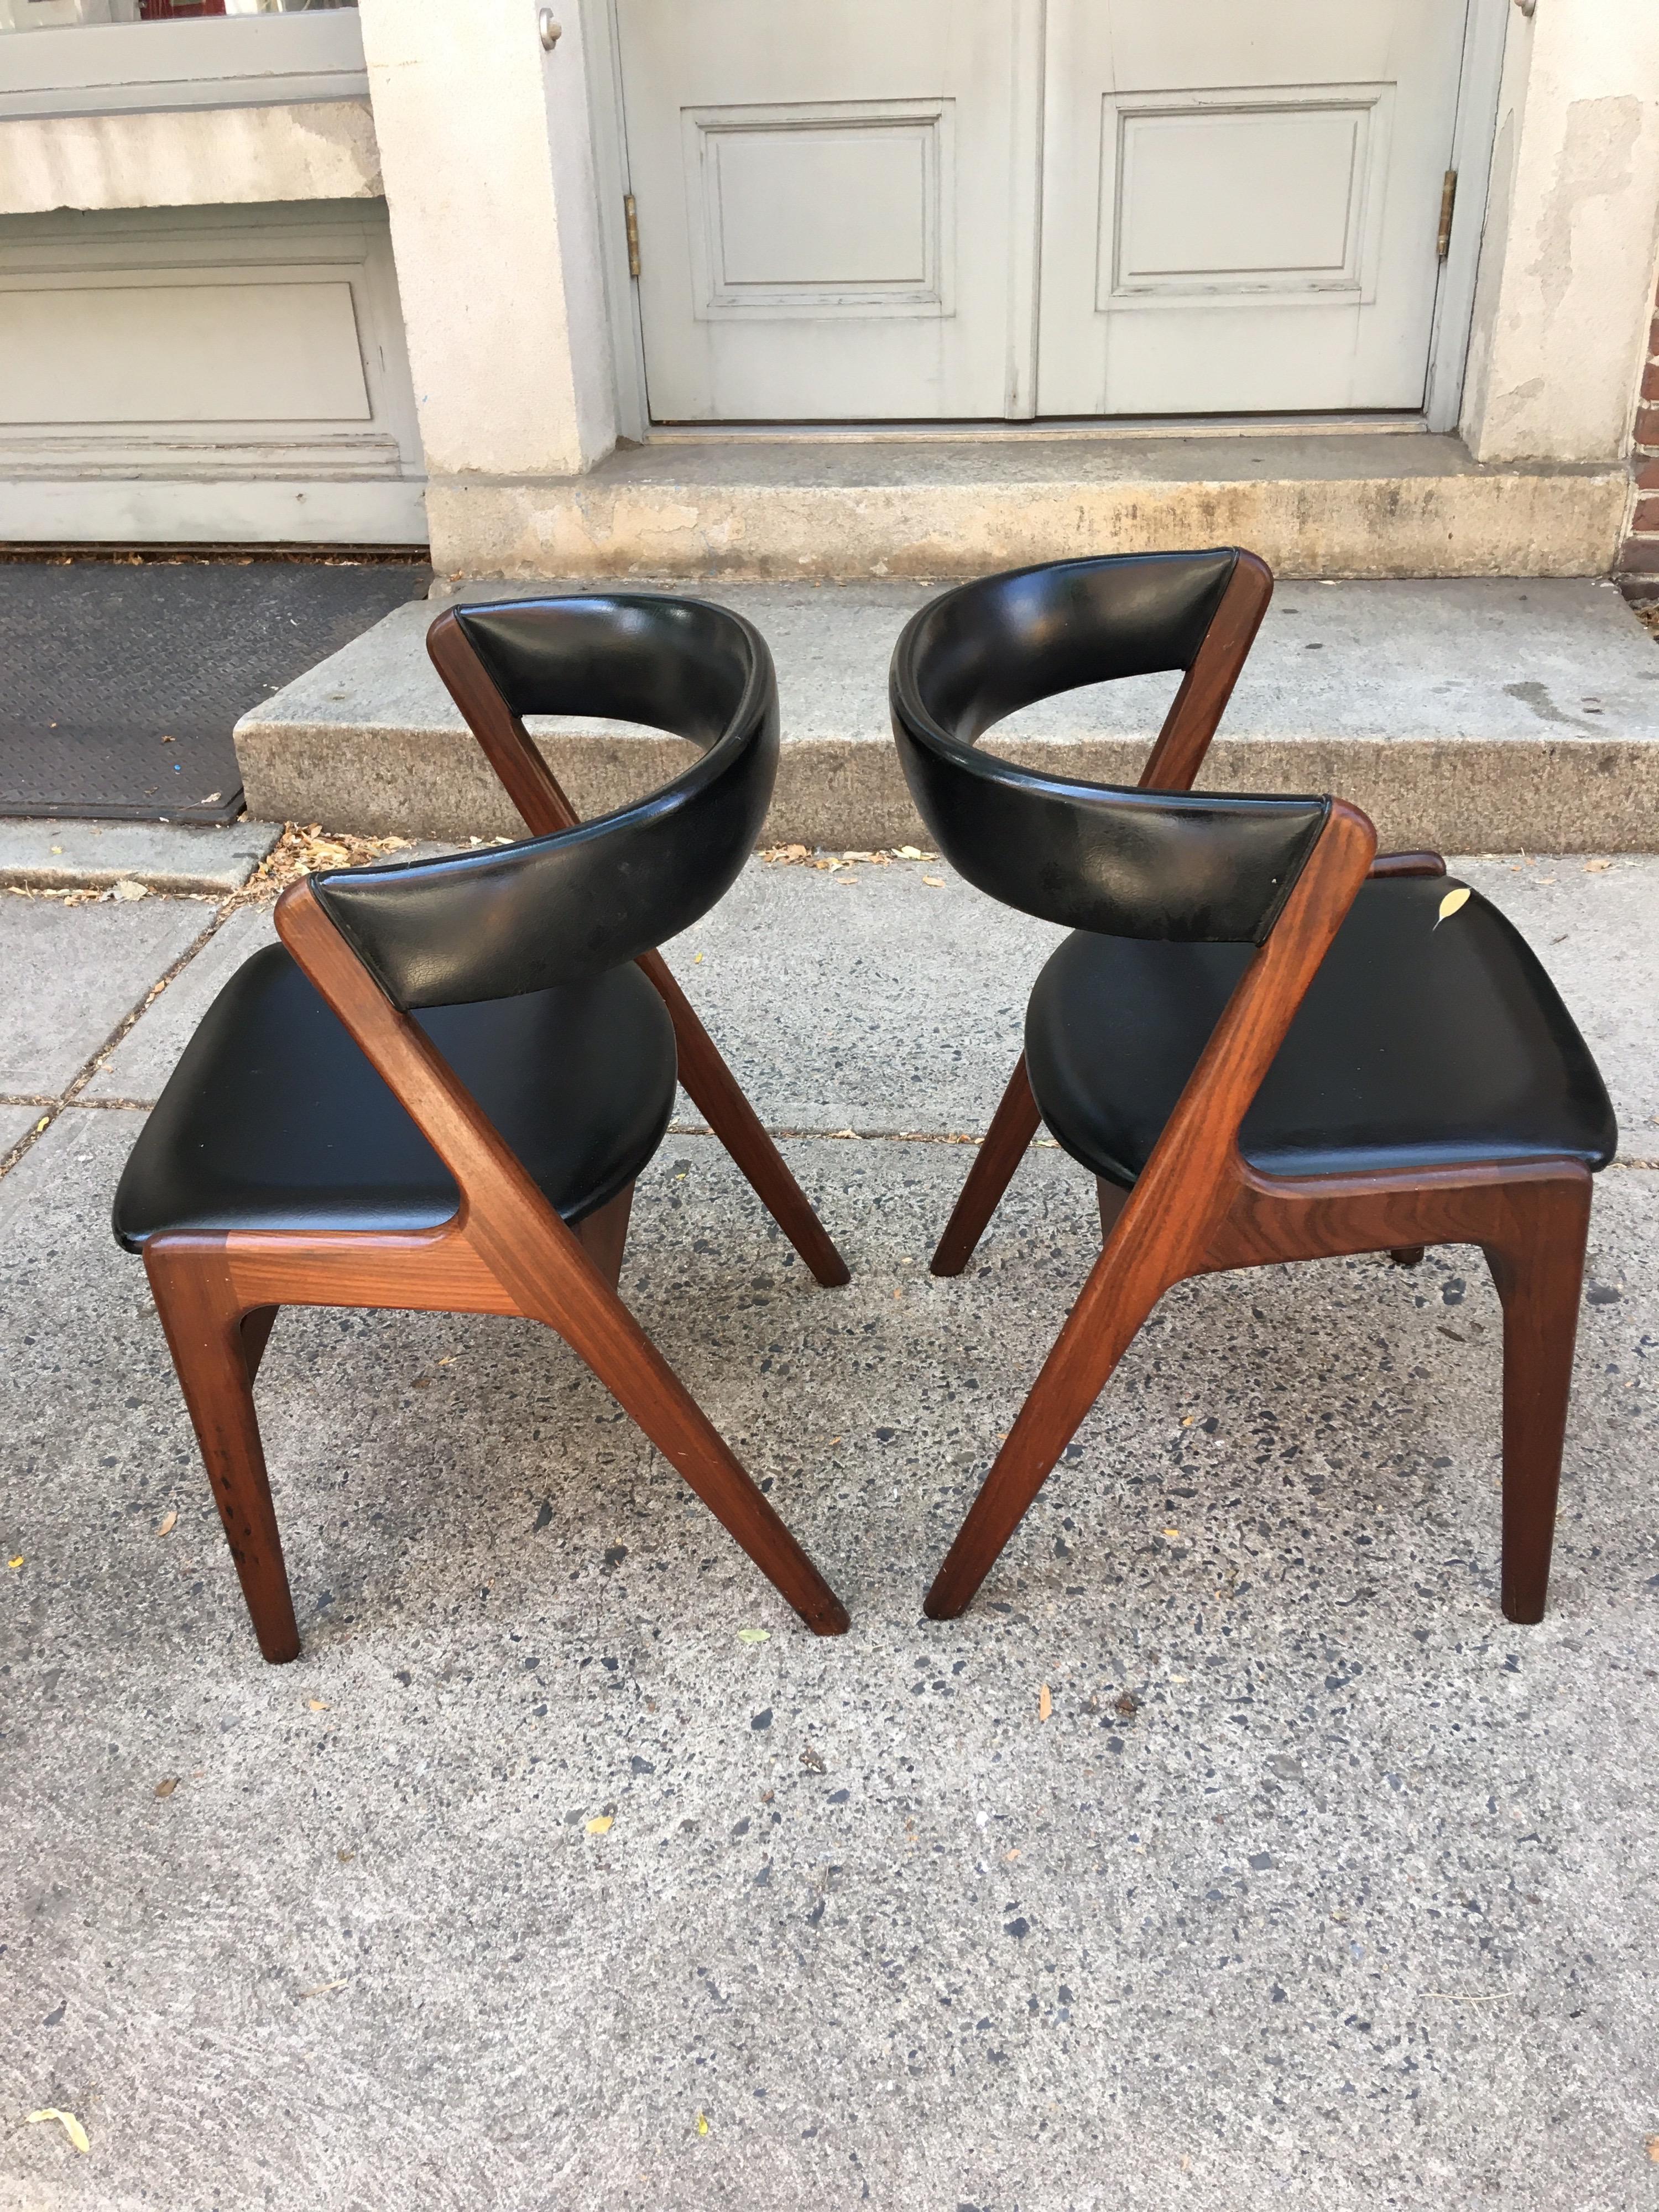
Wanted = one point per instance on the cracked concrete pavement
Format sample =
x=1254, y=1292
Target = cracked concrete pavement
x=1321, y=1885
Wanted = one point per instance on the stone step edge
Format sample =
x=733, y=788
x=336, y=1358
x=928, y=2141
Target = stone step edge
x=1454, y=795
x=1496, y=523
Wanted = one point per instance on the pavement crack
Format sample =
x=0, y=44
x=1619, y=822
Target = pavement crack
x=70, y=1095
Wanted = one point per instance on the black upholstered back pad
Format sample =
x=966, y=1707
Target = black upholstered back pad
x=1127, y=863
x=561, y=910
x=995, y=645
x=678, y=665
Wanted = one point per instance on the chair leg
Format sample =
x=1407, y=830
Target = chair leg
x=256, y=1334
x=1012, y=1128
x=600, y=1330
x=716, y=1092
x=1099, y=1329
x=216, y=1347
x=1539, y=1269
x=604, y=1236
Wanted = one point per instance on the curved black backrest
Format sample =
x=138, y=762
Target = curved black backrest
x=1125, y=863
x=559, y=909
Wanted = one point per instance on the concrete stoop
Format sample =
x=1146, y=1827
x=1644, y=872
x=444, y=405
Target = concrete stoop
x=1314, y=503
x=1471, y=716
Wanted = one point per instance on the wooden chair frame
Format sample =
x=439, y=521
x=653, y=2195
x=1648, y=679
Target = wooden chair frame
x=1199, y=1207
x=540, y=798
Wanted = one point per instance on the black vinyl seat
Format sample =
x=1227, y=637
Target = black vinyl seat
x=274, y=1119
x=1419, y=1045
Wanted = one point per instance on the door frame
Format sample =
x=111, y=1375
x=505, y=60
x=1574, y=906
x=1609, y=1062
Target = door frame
x=1485, y=29
x=1473, y=135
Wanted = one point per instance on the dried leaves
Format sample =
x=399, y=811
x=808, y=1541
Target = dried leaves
x=71, y=2127
x=795, y=855
x=302, y=850
x=1045, y=1703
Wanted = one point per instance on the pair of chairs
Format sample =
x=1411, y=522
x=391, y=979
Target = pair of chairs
x=1263, y=1041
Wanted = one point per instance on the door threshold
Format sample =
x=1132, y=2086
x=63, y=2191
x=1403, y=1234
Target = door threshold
x=1392, y=424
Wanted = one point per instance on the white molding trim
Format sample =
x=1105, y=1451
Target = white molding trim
x=1485, y=31
x=232, y=61
x=196, y=512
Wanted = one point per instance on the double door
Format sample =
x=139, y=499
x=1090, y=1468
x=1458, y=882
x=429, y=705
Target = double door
x=950, y=210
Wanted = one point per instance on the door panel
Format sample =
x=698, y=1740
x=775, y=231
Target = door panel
x=203, y=374
x=829, y=220
x=1239, y=211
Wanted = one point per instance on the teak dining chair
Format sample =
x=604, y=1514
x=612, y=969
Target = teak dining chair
x=436, y=1091
x=1263, y=1042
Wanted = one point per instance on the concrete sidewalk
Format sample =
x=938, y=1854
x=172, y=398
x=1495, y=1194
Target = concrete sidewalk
x=1322, y=1886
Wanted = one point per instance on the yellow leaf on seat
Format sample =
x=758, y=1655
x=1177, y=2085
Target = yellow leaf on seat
x=1452, y=902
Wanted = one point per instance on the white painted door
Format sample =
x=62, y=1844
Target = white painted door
x=890, y=210
x=835, y=206
x=1241, y=203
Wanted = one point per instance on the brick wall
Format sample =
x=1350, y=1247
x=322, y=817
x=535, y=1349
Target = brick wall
x=1638, y=567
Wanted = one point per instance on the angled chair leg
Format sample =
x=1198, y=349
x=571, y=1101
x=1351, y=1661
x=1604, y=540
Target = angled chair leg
x=256, y=1334
x=604, y=1235
x=599, y=1329
x=717, y=1093
x=1099, y=1329
x=1539, y=1269
x=1012, y=1128
x=215, y=1348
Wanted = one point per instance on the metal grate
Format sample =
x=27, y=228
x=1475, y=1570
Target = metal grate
x=120, y=684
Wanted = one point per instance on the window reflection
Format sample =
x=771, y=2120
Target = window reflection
x=57, y=15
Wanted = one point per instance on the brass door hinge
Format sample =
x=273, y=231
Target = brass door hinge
x=631, y=217
x=1447, y=202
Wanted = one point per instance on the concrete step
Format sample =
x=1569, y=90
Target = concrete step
x=1471, y=716
x=840, y=505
